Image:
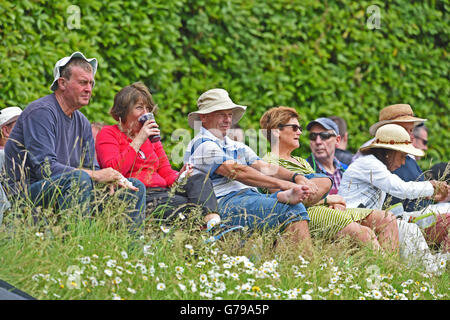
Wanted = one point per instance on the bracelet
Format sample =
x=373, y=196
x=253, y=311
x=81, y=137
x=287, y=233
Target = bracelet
x=325, y=201
x=293, y=177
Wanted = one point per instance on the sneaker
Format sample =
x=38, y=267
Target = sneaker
x=219, y=231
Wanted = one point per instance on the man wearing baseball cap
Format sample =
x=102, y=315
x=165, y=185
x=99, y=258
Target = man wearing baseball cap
x=236, y=172
x=51, y=148
x=324, y=138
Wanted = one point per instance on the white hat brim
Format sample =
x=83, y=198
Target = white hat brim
x=62, y=62
x=406, y=148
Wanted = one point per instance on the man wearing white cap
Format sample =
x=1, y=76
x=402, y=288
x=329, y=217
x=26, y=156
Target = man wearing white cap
x=51, y=146
x=236, y=172
x=8, y=118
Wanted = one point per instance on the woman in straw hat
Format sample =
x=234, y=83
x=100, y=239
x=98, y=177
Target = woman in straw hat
x=127, y=147
x=329, y=216
x=369, y=178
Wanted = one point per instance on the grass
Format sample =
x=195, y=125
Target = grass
x=66, y=256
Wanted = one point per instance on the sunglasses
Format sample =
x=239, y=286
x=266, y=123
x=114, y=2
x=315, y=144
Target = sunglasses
x=322, y=135
x=294, y=127
x=425, y=142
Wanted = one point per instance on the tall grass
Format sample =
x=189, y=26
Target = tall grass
x=64, y=255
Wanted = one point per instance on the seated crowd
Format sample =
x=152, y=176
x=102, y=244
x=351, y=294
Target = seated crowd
x=51, y=147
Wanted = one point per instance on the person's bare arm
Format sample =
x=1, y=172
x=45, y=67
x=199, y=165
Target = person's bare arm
x=318, y=186
x=251, y=176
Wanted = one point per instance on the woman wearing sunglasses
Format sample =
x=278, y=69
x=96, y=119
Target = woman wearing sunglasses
x=329, y=216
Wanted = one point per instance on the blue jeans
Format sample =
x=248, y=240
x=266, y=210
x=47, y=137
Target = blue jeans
x=75, y=188
x=258, y=211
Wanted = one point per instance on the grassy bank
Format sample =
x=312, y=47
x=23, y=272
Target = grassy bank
x=69, y=257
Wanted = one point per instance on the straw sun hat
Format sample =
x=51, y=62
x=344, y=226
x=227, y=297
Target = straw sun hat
x=394, y=137
x=395, y=113
x=215, y=100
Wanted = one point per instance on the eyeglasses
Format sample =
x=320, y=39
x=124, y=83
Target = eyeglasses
x=425, y=142
x=322, y=135
x=294, y=127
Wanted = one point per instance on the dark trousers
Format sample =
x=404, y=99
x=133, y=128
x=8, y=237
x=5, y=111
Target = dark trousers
x=198, y=192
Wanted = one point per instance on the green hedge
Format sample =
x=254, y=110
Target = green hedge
x=319, y=57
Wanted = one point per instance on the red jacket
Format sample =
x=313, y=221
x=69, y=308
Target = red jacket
x=150, y=165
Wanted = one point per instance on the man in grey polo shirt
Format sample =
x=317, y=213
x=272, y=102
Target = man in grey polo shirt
x=236, y=172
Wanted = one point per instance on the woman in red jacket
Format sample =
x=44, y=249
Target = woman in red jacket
x=127, y=148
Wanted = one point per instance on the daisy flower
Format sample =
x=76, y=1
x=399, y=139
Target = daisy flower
x=160, y=286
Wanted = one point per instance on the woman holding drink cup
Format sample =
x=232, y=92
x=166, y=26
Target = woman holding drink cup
x=133, y=147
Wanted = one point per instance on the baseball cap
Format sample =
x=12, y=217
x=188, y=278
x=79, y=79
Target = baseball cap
x=326, y=123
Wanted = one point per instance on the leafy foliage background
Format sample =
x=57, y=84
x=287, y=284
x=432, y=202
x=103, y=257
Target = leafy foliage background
x=319, y=57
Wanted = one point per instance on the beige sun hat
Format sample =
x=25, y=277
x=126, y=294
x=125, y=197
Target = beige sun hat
x=215, y=100
x=394, y=137
x=395, y=113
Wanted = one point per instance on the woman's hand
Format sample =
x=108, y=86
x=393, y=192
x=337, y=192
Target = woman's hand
x=149, y=128
x=441, y=190
x=186, y=171
x=336, y=202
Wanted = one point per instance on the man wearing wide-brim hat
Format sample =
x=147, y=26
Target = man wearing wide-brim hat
x=236, y=172
x=51, y=148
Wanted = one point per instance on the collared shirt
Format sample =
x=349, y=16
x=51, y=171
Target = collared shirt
x=336, y=176
x=367, y=181
x=206, y=153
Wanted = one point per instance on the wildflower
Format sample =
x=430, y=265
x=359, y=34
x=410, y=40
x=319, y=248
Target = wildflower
x=111, y=263
x=182, y=287
x=124, y=255
x=423, y=289
x=108, y=272
x=40, y=235
x=306, y=297
x=117, y=280
x=361, y=298
x=256, y=289
x=131, y=290
x=160, y=286
x=85, y=260
x=376, y=294
x=203, y=278
x=162, y=265
x=337, y=292
x=416, y=295
x=165, y=229
x=179, y=269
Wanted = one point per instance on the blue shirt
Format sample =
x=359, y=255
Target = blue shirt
x=47, y=142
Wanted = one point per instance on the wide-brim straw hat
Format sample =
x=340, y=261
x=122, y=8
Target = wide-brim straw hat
x=216, y=100
x=62, y=62
x=395, y=113
x=394, y=137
